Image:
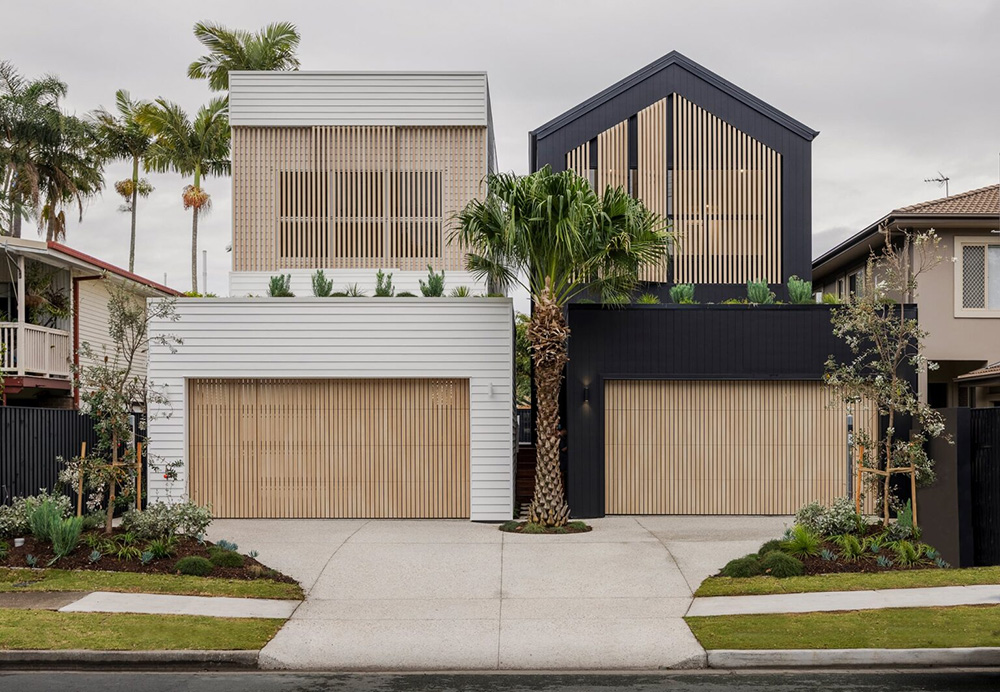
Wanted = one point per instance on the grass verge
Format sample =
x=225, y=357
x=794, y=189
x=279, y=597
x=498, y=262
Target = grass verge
x=853, y=581
x=44, y=629
x=891, y=628
x=12, y=580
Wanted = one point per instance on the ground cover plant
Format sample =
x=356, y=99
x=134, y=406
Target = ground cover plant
x=536, y=528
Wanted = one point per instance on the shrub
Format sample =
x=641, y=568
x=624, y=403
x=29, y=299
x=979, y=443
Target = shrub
x=800, y=292
x=354, y=291
x=850, y=547
x=224, y=558
x=14, y=517
x=65, y=535
x=161, y=519
x=93, y=520
x=322, y=286
x=4, y=549
x=741, y=567
x=338, y=294
x=533, y=528
x=802, y=542
x=95, y=555
x=771, y=545
x=31, y=560
x=42, y=518
x=682, y=294
x=883, y=562
x=906, y=553
x=194, y=565
x=434, y=288
x=406, y=294
x=648, y=299
x=162, y=547
x=904, y=519
x=830, y=299
x=460, y=292
x=781, y=565
x=223, y=544
x=383, y=285
x=838, y=518
x=758, y=293
x=828, y=555
x=509, y=525
x=939, y=561
x=280, y=286
x=577, y=525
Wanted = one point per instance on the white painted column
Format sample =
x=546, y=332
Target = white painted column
x=22, y=316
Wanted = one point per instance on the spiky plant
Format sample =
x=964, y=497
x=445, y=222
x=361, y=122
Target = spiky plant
x=648, y=299
x=758, y=293
x=322, y=286
x=354, y=291
x=383, y=285
x=800, y=292
x=280, y=286
x=682, y=294
x=460, y=292
x=554, y=235
x=802, y=542
x=434, y=286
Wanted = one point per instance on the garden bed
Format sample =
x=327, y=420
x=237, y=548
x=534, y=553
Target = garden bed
x=530, y=528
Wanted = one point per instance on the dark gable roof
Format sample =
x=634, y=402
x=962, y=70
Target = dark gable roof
x=675, y=58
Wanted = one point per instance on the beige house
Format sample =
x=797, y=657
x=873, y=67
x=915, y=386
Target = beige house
x=53, y=299
x=959, y=300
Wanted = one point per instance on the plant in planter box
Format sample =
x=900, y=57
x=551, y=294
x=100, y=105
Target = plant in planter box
x=682, y=294
x=434, y=286
x=800, y=292
x=322, y=287
x=280, y=286
x=758, y=293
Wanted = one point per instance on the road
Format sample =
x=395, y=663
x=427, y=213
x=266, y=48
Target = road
x=904, y=681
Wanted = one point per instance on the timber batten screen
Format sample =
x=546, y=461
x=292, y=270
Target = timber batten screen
x=330, y=448
x=724, y=447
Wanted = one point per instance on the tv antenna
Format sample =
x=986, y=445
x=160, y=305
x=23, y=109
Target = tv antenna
x=942, y=179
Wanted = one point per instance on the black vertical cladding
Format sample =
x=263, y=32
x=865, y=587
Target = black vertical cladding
x=680, y=342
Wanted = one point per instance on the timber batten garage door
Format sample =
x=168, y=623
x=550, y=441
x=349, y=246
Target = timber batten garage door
x=330, y=448
x=723, y=447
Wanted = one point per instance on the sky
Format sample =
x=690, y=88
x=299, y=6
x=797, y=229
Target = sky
x=899, y=90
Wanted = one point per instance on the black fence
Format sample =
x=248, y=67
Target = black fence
x=30, y=441
x=525, y=427
x=985, y=458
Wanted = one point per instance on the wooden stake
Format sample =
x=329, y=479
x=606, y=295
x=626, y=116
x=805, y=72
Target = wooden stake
x=857, y=484
x=79, y=481
x=913, y=494
x=138, y=476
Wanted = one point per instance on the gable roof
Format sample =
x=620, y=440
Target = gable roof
x=991, y=370
x=108, y=267
x=668, y=60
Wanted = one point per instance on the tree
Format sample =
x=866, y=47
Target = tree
x=189, y=148
x=111, y=389
x=553, y=235
x=270, y=49
x=884, y=345
x=123, y=138
x=70, y=172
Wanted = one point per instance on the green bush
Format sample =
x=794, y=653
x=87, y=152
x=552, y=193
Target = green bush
x=758, y=293
x=509, y=525
x=93, y=520
x=4, y=549
x=224, y=558
x=742, y=567
x=383, y=285
x=194, y=565
x=682, y=294
x=830, y=299
x=577, y=525
x=322, y=286
x=781, y=565
x=801, y=542
x=160, y=519
x=800, y=292
x=338, y=294
x=41, y=519
x=907, y=553
x=838, y=518
x=850, y=547
x=648, y=299
x=534, y=528
x=14, y=517
x=65, y=535
x=770, y=546
x=280, y=286
x=434, y=287
x=406, y=294
x=162, y=547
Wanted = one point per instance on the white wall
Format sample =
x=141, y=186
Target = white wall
x=242, y=284
x=94, y=297
x=346, y=338
x=284, y=99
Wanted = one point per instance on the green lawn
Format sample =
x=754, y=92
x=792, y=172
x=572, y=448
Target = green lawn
x=44, y=629
x=725, y=586
x=891, y=628
x=130, y=582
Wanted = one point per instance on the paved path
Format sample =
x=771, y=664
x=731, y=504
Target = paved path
x=847, y=600
x=165, y=604
x=432, y=595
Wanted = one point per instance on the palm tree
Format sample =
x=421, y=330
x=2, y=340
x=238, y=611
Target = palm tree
x=189, y=148
x=556, y=237
x=271, y=49
x=123, y=138
x=70, y=171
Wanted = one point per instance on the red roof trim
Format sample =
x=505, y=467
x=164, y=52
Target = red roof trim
x=124, y=273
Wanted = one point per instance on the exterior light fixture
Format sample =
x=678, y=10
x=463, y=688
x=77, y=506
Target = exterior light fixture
x=586, y=395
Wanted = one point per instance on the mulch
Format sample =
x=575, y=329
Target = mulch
x=79, y=559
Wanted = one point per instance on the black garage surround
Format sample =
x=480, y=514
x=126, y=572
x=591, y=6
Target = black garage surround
x=678, y=342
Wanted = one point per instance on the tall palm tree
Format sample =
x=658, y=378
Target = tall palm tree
x=556, y=237
x=271, y=49
x=70, y=171
x=123, y=138
x=189, y=148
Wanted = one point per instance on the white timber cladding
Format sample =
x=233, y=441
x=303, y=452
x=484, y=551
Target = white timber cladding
x=344, y=338
x=93, y=323
x=242, y=284
x=284, y=99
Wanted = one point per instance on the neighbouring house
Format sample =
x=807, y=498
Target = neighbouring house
x=700, y=409
x=958, y=300
x=53, y=299
x=389, y=407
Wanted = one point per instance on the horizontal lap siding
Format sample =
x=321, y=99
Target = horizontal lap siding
x=371, y=338
x=724, y=447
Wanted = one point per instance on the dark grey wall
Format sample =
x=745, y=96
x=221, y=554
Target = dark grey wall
x=671, y=342
x=944, y=509
x=549, y=147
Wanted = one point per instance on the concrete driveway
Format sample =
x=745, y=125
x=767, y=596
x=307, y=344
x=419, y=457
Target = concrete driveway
x=453, y=595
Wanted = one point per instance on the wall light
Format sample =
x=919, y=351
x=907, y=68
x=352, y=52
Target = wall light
x=586, y=395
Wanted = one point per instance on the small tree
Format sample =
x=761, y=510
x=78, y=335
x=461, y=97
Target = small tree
x=884, y=343
x=112, y=389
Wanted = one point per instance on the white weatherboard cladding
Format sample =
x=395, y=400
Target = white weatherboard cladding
x=292, y=99
x=242, y=284
x=345, y=338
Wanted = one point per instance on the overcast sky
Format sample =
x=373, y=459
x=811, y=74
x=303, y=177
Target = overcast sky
x=898, y=90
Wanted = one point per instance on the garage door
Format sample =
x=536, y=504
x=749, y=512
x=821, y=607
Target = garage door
x=719, y=447
x=330, y=448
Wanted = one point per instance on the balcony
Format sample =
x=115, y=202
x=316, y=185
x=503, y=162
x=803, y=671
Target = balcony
x=33, y=351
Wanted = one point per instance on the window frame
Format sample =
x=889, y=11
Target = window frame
x=959, y=273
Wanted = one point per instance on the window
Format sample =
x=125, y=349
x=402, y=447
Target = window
x=977, y=277
x=840, y=289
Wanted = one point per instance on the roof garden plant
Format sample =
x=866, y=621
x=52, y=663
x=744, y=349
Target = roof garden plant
x=799, y=291
x=554, y=235
x=682, y=294
x=322, y=287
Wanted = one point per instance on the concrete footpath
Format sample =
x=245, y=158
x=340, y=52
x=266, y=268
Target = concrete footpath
x=828, y=601
x=164, y=604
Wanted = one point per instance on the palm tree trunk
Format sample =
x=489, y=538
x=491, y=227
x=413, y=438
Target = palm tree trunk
x=135, y=199
x=547, y=334
x=194, y=249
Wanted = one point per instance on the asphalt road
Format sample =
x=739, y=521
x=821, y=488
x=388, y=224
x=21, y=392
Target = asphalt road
x=908, y=681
